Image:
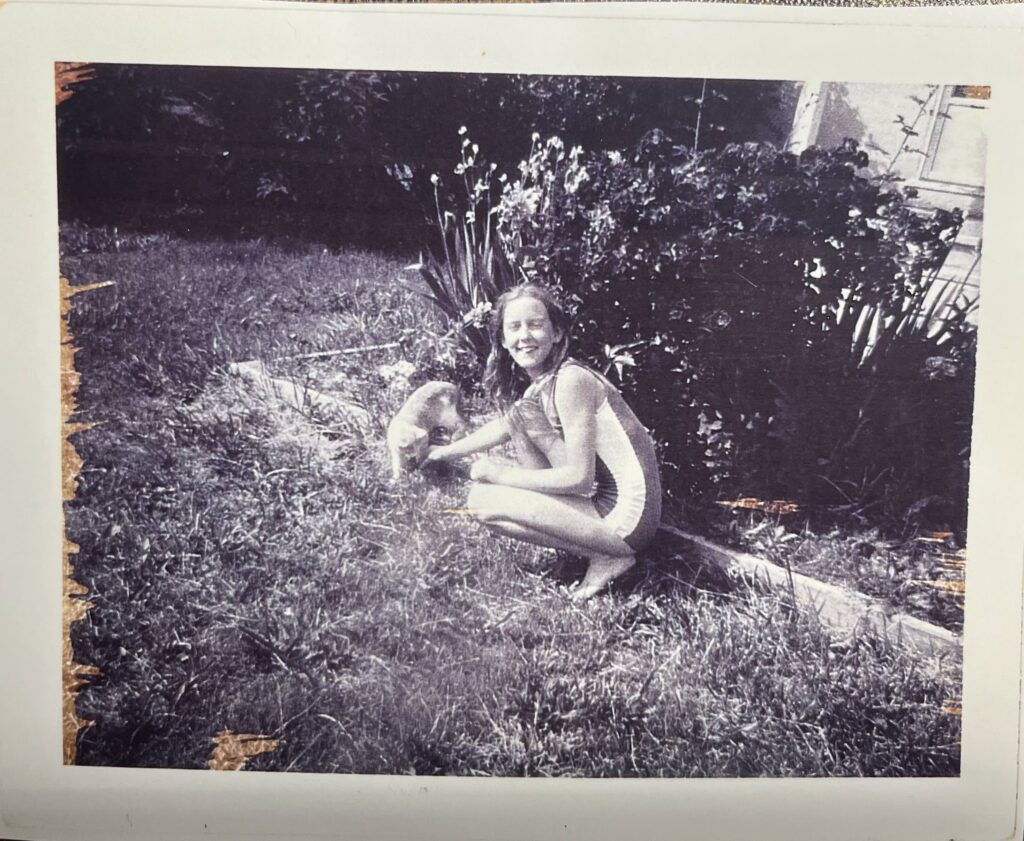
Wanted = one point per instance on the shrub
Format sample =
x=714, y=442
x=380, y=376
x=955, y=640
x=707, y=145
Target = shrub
x=341, y=156
x=724, y=289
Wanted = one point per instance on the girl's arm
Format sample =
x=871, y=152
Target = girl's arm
x=576, y=400
x=489, y=435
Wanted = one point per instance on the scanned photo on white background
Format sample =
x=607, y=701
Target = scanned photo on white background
x=592, y=407
x=745, y=312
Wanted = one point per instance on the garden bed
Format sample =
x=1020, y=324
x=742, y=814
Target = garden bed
x=922, y=576
x=845, y=611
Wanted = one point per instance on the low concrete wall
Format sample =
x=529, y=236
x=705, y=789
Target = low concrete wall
x=844, y=610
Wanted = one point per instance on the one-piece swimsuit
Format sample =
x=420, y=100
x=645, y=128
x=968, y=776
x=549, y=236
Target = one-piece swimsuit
x=627, y=485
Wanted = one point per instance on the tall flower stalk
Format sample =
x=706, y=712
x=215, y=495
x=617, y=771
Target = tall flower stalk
x=468, y=272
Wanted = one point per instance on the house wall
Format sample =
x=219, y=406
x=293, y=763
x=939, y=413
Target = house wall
x=930, y=137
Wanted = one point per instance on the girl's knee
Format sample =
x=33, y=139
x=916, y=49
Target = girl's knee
x=532, y=431
x=481, y=502
x=489, y=504
x=477, y=495
x=528, y=454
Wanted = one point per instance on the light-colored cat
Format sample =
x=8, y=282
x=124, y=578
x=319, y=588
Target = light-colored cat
x=432, y=407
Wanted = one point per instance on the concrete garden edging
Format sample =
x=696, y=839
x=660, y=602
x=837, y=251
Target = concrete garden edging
x=837, y=607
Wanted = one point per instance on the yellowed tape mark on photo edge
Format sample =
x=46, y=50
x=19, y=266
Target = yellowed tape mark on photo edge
x=74, y=607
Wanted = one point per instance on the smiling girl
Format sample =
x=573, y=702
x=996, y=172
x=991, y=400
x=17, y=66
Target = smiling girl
x=586, y=479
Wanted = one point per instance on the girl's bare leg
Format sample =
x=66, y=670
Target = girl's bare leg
x=556, y=521
x=602, y=569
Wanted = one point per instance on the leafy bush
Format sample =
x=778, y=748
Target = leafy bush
x=342, y=156
x=767, y=315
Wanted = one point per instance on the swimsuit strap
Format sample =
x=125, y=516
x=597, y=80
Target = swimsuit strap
x=601, y=378
x=568, y=361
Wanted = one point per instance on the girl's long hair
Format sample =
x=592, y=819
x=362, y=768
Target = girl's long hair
x=505, y=381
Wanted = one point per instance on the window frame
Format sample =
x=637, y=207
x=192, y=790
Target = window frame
x=926, y=179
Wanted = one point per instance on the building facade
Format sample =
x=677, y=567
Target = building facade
x=929, y=137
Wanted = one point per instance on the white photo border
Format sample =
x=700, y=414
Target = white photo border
x=40, y=797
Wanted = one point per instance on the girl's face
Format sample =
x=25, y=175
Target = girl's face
x=528, y=335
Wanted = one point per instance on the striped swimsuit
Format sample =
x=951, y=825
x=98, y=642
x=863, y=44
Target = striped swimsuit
x=627, y=486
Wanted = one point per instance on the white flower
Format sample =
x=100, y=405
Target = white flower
x=434, y=179
x=536, y=136
x=462, y=130
x=479, y=315
x=574, y=178
x=476, y=149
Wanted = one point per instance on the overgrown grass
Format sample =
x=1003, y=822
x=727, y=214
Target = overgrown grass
x=254, y=570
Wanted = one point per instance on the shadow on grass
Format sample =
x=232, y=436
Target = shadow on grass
x=662, y=569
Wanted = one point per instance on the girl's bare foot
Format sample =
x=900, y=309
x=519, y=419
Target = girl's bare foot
x=602, y=571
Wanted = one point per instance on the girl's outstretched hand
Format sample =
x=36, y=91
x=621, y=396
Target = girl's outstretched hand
x=435, y=455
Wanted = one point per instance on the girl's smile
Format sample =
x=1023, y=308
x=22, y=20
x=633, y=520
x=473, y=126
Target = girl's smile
x=528, y=335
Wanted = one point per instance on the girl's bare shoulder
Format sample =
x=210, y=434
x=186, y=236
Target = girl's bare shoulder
x=578, y=384
x=578, y=373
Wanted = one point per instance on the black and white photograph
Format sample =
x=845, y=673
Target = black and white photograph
x=517, y=425
x=592, y=407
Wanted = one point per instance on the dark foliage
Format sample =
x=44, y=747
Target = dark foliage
x=768, y=314
x=343, y=157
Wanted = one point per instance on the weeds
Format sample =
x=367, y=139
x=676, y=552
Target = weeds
x=255, y=572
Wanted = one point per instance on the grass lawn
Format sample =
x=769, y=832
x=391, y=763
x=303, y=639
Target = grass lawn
x=253, y=569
